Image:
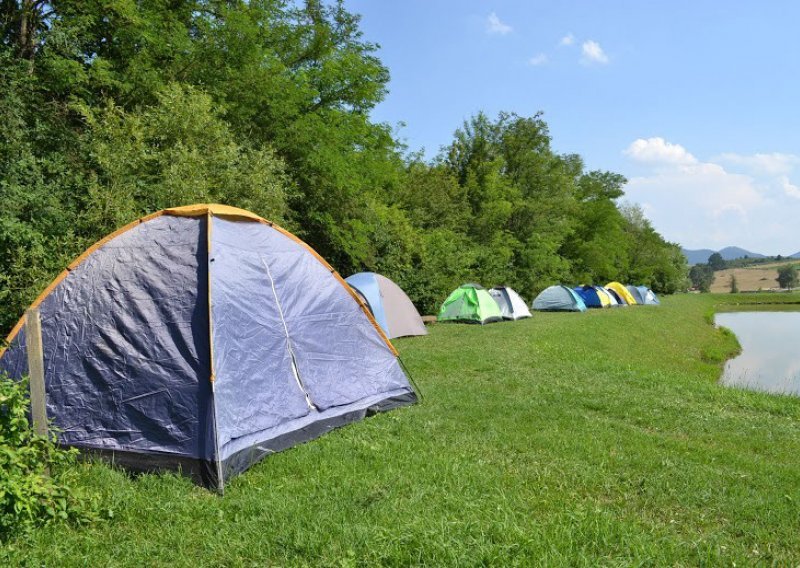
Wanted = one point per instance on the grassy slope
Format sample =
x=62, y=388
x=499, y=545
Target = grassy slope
x=589, y=439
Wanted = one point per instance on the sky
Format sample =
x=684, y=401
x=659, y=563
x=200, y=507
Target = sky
x=696, y=102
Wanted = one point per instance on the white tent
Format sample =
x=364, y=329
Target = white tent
x=511, y=305
x=609, y=295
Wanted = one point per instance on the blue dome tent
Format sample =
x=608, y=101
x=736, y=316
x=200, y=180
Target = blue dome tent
x=559, y=299
x=202, y=339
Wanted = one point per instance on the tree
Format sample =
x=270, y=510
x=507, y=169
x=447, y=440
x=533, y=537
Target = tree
x=787, y=276
x=734, y=286
x=701, y=276
x=716, y=262
x=111, y=110
x=652, y=261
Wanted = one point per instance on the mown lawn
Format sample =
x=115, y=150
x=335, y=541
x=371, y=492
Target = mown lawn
x=567, y=439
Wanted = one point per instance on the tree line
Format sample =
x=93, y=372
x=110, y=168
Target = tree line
x=112, y=110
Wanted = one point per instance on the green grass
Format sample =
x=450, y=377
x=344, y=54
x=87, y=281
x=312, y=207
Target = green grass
x=567, y=439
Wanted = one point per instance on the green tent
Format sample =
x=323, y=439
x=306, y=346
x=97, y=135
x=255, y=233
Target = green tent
x=470, y=303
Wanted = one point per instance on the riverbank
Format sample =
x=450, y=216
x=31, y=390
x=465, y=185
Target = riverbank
x=581, y=439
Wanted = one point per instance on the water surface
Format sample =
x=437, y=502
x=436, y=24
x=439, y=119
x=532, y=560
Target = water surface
x=770, y=358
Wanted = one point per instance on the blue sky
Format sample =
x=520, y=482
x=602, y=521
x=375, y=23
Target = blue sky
x=697, y=103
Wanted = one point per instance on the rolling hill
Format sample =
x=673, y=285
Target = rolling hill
x=700, y=256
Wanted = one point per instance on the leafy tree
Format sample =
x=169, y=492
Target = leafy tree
x=110, y=110
x=716, y=262
x=787, y=276
x=177, y=151
x=652, y=261
x=701, y=277
x=598, y=247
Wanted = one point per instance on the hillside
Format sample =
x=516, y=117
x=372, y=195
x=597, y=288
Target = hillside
x=732, y=253
x=700, y=256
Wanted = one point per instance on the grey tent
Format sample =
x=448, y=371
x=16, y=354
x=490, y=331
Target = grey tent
x=559, y=299
x=636, y=293
x=204, y=338
x=391, y=307
x=511, y=305
x=648, y=297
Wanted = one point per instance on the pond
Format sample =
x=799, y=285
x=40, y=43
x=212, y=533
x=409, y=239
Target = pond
x=770, y=358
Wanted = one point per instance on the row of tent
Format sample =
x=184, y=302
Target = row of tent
x=473, y=303
x=204, y=338
x=398, y=317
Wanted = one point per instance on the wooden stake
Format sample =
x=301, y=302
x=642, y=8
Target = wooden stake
x=33, y=339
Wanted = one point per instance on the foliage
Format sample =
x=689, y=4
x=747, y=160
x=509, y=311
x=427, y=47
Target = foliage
x=36, y=476
x=716, y=262
x=112, y=110
x=787, y=276
x=701, y=277
x=176, y=151
x=734, y=286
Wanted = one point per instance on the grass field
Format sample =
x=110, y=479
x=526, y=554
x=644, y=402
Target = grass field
x=749, y=279
x=567, y=439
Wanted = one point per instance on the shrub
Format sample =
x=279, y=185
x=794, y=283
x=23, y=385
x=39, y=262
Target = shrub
x=36, y=476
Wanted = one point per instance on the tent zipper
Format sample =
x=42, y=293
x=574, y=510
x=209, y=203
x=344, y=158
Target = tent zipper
x=295, y=370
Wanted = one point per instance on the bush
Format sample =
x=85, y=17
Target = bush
x=36, y=476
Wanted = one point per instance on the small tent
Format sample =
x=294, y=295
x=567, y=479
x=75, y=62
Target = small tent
x=592, y=297
x=511, y=305
x=649, y=297
x=202, y=339
x=559, y=299
x=621, y=292
x=612, y=299
x=636, y=293
x=620, y=301
x=470, y=303
x=392, y=309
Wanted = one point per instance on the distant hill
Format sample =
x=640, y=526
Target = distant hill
x=795, y=255
x=728, y=253
x=697, y=256
x=732, y=253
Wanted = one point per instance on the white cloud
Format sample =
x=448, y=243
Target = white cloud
x=593, y=53
x=567, y=40
x=495, y=26
x=789, y=188
x=772, y=164
x=658, y=151
x=538, y=59
x=702, y=204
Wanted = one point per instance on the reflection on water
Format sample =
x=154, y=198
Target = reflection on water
x=770, y=359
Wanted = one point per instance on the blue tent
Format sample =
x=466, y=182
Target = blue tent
x=204, y=338
x=590, y=296
x=559, y=299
